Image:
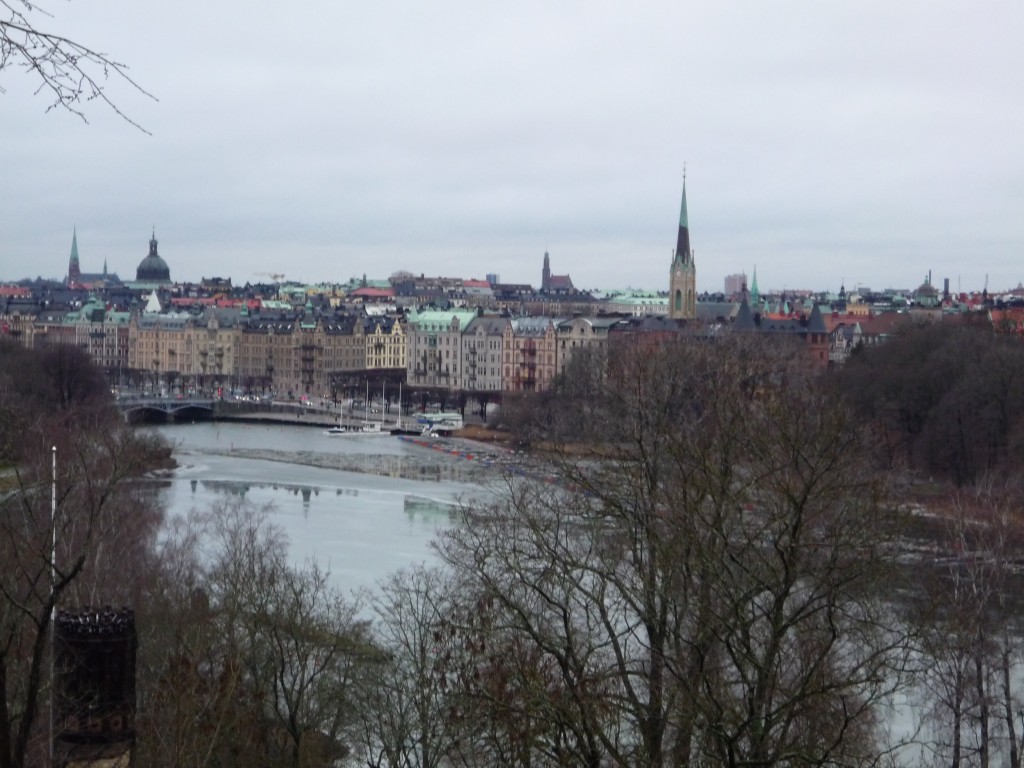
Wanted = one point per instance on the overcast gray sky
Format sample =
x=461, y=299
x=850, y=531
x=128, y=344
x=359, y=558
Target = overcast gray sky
x=868, y=141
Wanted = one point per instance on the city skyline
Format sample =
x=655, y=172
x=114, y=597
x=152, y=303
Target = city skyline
x=850, y=142
x=737, y=279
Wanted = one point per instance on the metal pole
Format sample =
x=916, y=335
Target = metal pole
x=53, y=587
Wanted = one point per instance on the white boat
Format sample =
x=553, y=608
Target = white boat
x=441, y=422
x=366, y=429
x=398, y=429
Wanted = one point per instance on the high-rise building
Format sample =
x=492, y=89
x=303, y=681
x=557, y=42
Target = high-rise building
x=734, y=284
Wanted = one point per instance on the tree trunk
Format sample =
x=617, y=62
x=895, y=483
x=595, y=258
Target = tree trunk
x=1011, y=732
x=979, y=671
x=958, y=698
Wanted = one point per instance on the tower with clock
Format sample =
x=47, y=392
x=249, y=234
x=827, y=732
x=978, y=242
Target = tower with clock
x=683, y=272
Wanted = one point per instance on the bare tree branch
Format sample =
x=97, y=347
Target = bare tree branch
x=70, y=72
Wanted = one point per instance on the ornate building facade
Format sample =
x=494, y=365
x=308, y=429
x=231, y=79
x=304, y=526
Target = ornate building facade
x=434, y=350
x=481, y=353
x=530, y=350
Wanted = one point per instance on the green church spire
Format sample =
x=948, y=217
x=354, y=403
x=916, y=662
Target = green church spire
x=683, y=222
x=755, y=295
x=74, y=270
x=682, y=253
x=683, y=272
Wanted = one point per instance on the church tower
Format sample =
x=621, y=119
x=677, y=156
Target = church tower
x=74, y=268
x=545, y=274
x=683, y=272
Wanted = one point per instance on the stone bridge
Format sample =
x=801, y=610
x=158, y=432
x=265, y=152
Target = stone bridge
x=166, y=408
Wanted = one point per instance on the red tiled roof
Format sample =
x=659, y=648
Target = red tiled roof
x=836, y=319
x=887, y=322
x=560, y=281
x=1009, y=320
x=207, y=301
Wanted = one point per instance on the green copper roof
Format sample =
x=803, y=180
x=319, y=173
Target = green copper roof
x=74, y=247
x=440, y=320
x=755, y=295
x=682, y=211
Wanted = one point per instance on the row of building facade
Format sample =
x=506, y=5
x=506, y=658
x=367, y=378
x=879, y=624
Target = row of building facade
x=307, y=351
x=309, y=354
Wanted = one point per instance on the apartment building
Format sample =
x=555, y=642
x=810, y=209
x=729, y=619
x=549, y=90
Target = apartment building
x=482, y=344
x=434, y=350
x=581, y=333
x=529, y=354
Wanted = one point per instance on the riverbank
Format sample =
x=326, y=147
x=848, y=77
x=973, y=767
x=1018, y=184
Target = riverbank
x=325, y=420
x=304, y=418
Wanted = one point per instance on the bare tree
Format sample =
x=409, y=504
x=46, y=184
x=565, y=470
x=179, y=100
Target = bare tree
x=700, y=587
x=56, y=512
x=944, y=398
x=70, y=73
x=197, y=709
x=406, y=706
x=970, y=632
x=300, y=644
x=248, y=660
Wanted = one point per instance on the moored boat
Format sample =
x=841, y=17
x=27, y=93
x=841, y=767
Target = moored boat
x=366, y=429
